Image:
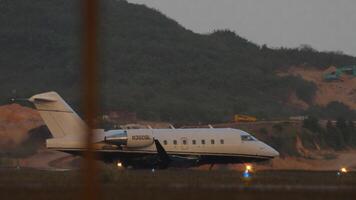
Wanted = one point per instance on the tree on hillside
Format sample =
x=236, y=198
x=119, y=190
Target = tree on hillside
x=312, y=123
x=333, y=110
x=344, y=130
x=334, y=137
x=352, y=133
x=307, y=48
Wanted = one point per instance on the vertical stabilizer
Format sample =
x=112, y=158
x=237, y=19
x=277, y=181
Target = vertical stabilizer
x=59, y=117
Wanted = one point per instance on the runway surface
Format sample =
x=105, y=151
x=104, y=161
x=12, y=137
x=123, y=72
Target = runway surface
x=179, y=184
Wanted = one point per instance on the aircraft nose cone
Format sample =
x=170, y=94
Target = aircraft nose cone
x=269, y=151
x=273, y=152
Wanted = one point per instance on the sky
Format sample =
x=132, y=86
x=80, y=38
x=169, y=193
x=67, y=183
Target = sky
x=326, y=25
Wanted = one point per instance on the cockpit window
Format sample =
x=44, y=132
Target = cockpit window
x=247, y=138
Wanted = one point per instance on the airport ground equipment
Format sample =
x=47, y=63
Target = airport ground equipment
x=244, y=118
x=335, y=75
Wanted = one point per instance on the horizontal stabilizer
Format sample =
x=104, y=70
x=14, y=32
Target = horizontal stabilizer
x=46, y=97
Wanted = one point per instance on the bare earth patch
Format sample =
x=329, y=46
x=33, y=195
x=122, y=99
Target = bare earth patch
x=318, y=162
x=342, y=91
x=15, y=122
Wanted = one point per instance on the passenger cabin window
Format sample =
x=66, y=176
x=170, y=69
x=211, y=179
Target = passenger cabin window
x=165, y=142
x=202, y=141
x=184, y=142
x=247, y=138
x=175, y=142
x=194, y=142
x=221, y=141
x=212, y=141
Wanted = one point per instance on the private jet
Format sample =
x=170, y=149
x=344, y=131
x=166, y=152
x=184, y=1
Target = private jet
x=148, y=148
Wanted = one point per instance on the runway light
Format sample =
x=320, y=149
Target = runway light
x=343, y=170
x=246, y=174
x=119, y=164
x=248, y=168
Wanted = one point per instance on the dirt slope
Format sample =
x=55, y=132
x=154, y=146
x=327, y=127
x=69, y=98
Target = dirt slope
x=49, y=160
x=342, y=159
x=343, y=91
x=15, y=122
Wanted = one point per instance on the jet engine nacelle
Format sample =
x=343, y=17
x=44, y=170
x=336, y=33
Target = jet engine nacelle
x=130, y=138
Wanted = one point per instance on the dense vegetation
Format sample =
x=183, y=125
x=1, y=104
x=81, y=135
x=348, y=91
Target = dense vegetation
x=298, y=137
x=338, y=136
x=150, y=64
x=333, y=110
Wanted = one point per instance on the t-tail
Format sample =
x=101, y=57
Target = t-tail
x=59, y=117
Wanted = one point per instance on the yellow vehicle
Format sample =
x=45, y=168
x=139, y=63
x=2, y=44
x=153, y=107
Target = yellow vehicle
x=244, y=118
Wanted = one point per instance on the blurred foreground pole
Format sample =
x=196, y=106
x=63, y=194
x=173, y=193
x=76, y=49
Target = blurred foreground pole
x=90, y=94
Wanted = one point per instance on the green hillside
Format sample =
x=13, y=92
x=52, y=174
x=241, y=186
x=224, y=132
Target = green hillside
x=150, y=64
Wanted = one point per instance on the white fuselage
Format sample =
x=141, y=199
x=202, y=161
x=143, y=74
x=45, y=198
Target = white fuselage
x=200, y=141
x=197, y=141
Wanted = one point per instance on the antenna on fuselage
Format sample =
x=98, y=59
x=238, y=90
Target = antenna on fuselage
x=18, y=99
